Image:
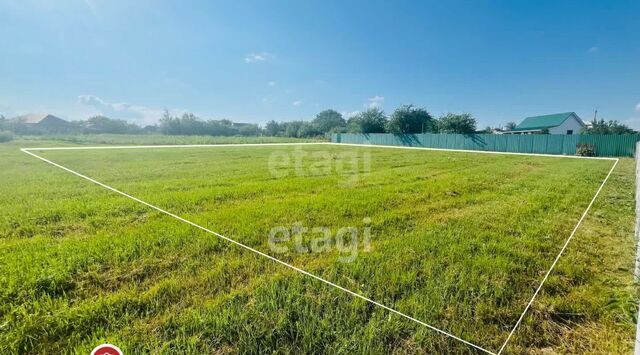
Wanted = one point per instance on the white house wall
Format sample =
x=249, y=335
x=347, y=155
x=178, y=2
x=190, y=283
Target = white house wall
x=570, y=123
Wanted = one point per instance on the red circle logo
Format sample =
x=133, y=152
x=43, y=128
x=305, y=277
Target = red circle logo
x=106, y=349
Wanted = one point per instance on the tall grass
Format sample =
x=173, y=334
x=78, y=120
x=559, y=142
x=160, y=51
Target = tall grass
x=459, y=241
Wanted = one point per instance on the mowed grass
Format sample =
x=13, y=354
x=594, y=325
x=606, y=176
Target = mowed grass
x=458, y=240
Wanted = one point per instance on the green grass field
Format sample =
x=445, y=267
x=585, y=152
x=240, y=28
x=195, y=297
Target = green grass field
x=458, y=240
x=124, y=139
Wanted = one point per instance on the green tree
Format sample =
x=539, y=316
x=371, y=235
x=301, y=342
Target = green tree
x=291, y=128
x=273, y=128
x=411, y=119
x=328, y=120
x=169, y=124
x=249, y=130
x=372, y=120
x=607, y=127
x=221, y=128
x=510, y=126
x=308, y=129
x=189, y=124
x=457, y=123
x=102, y=124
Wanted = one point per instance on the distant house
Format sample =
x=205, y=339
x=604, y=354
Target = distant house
x=45, y=123
x=557, y=123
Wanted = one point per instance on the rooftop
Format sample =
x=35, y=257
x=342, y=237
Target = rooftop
x=36, y=118
x=543, y=122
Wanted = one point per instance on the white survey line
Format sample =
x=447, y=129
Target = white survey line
x=29, y=151
x=171, y=146
x=557, y=258
x=473, y=151
x=535, y=294
x=308, y=143
x=259, y=252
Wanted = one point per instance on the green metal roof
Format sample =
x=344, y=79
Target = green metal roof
x=543, y=122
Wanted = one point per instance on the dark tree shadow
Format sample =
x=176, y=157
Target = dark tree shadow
x=478, y=139
x=408, y=139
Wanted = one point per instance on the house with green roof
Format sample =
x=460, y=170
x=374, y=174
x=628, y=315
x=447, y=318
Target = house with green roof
x=557, y=123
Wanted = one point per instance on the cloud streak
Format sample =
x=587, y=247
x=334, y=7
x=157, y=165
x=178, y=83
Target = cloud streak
x=349, y=114
x=375, y=102
x=258, y=57
x=126, y=111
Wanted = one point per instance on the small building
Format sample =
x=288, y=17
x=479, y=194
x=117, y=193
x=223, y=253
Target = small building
x=45, y=123
x=557, y=123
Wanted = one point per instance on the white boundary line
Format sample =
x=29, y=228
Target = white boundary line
x=473, y=151
x=308, y=143
x=616, y=160
x=557, y=258
x=171, y=146
x=28, y=151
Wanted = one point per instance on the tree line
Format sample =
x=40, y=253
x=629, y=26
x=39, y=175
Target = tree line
x=93, y=125
x=607, y=127
x=405, y=119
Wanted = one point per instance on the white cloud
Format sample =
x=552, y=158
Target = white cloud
x=126, y=111
x=271, y=83
x=258, y=57
x=349, y=114
x=375, y=102
x=297, y=103
x=91, y=100
x=593, y=49
x=638, y=107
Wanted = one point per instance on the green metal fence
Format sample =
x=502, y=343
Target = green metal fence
x=605, y=145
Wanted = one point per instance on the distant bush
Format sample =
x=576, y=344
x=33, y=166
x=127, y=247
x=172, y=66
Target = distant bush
x=373, y=120
x=462, y=123
x=328, y=120
x=102, y=124
x=5, y=136
x=586, y=150
x=607, y=127
x=411, y=119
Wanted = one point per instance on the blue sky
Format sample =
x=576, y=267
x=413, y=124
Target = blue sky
x=253, y=61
